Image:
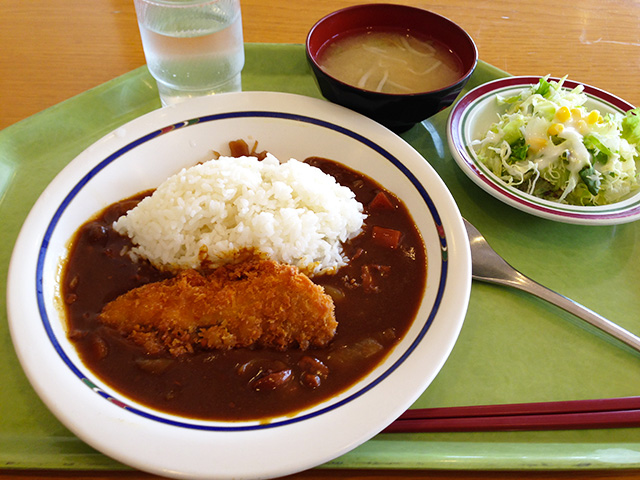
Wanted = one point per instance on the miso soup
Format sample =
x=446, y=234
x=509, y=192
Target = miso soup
x=390, y=61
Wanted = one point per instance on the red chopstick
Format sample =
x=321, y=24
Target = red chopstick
x=623, y=412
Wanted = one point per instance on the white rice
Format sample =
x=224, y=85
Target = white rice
x=291, y=212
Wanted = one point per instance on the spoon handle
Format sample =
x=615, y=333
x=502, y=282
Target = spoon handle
x=524, y=283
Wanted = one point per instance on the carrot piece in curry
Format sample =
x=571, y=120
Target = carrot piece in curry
x=386, y=237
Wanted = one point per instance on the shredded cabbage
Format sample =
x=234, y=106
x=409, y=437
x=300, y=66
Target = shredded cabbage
x=549, y=145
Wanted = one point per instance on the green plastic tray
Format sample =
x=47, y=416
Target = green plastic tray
x=512, y=348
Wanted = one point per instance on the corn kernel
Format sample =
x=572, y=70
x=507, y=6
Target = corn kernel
x=582, y=126
x=555, y=129
x=594, y=117
x=563, y=114
x=576, y=113
x=537, y=143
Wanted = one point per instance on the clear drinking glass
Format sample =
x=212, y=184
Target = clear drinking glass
x=192, y=47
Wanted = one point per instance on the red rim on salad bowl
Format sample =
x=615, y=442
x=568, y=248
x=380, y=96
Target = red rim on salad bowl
x=397, y=111
x=471, y=118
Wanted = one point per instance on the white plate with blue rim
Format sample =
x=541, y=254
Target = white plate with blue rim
x=139, y=156
x=472, y=116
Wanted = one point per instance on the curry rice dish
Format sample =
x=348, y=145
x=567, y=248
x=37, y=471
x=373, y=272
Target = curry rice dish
x=254, y=338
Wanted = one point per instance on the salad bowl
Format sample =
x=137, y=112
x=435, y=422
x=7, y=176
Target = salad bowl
x=474, y=114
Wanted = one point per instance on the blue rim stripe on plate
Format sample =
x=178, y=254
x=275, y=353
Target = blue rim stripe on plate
x=42, y=255
x=458, y=123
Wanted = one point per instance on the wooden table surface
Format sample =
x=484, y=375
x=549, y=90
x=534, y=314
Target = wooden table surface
x=53, y=50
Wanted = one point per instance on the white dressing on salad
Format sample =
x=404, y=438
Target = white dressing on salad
x=548, y=144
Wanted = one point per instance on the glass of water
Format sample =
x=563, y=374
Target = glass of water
x=192, y=47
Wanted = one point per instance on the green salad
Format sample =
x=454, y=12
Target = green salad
x=549, y=145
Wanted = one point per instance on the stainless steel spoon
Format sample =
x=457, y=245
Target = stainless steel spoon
x=488, y=266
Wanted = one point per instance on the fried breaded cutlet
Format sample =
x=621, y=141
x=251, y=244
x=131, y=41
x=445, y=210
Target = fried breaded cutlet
x=254, y=303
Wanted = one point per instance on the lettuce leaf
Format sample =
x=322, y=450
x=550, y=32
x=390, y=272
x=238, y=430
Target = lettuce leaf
x=543, y=87
x=631, y=126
